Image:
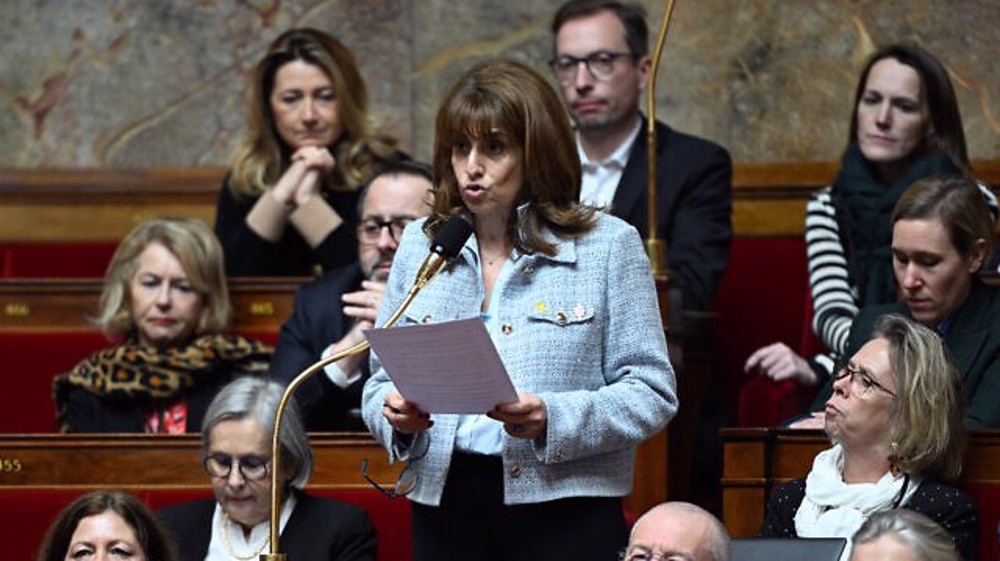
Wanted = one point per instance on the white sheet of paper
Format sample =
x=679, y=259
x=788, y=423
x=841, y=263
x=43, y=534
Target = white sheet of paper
x=449, y=367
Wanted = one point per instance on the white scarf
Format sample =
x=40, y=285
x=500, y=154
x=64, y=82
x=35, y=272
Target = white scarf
x=834, y=509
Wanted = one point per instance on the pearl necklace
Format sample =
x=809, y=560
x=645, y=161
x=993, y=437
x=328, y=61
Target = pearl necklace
x=224, y=528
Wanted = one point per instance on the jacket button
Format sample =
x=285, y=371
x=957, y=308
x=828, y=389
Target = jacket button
x=559, y=456
x=529, y=269
x=515, y=471
x=507, y=329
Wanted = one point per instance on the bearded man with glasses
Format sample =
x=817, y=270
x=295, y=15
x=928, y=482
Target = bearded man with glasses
x=331, y=311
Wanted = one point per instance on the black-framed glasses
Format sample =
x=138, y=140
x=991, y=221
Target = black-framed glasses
x=252, y=468
x=371, y=228
x=861, y=380
x=407, y=480
x=600, y=65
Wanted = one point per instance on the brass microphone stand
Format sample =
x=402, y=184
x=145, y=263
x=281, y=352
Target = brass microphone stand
x=430, y=268
x=656, y=248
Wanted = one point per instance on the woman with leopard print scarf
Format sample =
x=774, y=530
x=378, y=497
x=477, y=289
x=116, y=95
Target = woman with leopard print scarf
x=165, y=298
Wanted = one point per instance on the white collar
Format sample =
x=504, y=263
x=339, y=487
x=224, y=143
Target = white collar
x=618, y=158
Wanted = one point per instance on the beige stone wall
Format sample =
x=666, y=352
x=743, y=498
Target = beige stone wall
x=143, y=83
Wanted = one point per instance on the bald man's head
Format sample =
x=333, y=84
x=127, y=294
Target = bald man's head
x=679, y=529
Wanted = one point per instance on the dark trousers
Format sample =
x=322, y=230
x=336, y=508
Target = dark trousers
x=473, y=523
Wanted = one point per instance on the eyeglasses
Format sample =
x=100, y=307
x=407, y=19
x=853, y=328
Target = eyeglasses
x=370, y=230
x=642, y=554
x=407, y=480
x=600, y=65
x=860, y=379
x=252, y=468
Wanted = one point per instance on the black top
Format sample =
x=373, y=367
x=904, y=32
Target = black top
x=954, y=510
x=318, y=530
x=694, y=208
x=249, y=255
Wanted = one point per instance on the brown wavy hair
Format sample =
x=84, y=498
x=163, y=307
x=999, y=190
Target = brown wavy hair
x=264, y=156
x=152, y=537
x=511, y=97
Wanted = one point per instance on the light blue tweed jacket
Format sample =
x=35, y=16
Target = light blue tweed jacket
x=581, y=330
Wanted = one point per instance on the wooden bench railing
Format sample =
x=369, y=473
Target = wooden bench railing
x=142, y=462
x=123, y=461
x=46, y=305
x=91, y=205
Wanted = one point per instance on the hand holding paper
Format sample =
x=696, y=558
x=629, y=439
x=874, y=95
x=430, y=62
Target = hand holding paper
x=449, y=367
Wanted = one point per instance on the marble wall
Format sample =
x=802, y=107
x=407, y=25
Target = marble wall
x=143, y=83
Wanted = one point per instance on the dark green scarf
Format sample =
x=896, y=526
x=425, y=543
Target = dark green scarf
x=864, y=207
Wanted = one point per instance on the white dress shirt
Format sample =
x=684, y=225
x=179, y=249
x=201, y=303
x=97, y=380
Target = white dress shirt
x=600, y=179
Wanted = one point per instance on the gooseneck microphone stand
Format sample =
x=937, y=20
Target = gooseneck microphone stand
x=656, y=248
x=445, y=246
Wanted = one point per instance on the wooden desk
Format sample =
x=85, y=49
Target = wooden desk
x=144, y=462
x=260, y=305
x=757, y=459
x=138, y=462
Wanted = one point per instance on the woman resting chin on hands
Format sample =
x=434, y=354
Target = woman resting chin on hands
x=288, y=205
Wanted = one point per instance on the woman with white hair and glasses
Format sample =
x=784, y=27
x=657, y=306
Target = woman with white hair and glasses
x=895, y=419
x=236, y=444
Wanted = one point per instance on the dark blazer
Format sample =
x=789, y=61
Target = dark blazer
x=694, y=214
x=974, y=341
x=955, y=511
x=316, y=322
x=319, y=530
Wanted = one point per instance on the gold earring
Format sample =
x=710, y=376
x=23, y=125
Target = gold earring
x=894, y=459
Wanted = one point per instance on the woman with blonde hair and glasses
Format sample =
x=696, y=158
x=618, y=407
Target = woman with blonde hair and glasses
x=287, y=206
x=236, y=454
x=895, y=419
x=166, y=305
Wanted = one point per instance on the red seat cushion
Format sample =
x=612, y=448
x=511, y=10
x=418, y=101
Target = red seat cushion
x=30, y=361
x=761, y=301
x=57, y=260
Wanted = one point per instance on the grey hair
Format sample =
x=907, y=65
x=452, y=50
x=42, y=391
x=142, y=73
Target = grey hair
x=922, y=536
x=256, y=398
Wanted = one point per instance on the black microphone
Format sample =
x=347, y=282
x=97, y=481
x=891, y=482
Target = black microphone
x=445, y=247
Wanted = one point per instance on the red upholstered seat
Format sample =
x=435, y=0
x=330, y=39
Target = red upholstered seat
x=55, y=260
x=763, y=299
x=29, y=362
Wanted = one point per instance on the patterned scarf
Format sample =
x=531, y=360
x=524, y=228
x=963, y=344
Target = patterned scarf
x=134, y=371
x=864, y=207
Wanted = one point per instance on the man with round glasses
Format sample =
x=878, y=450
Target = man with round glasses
x=601, y=63
x=331, y=311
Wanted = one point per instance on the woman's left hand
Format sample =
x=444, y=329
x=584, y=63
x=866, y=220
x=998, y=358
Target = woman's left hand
x=525, y=418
